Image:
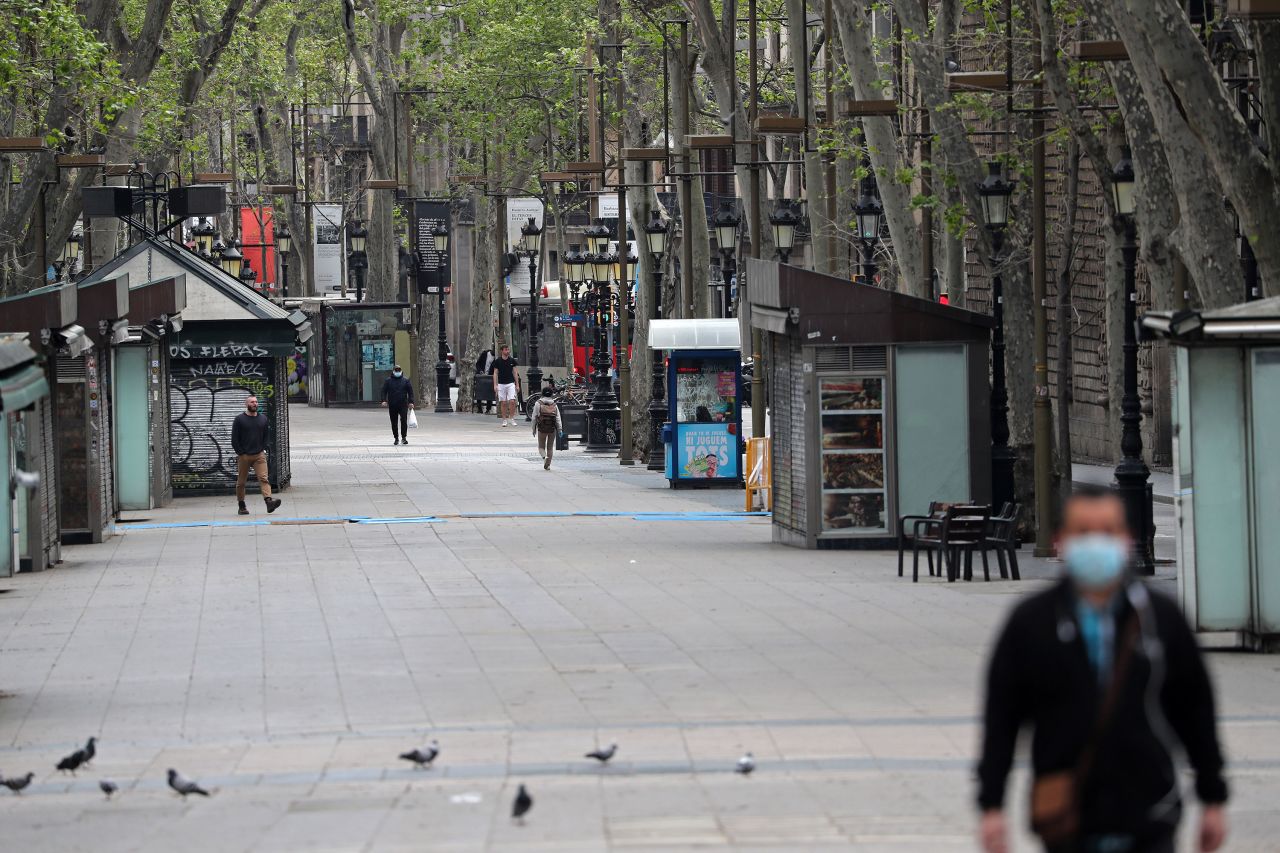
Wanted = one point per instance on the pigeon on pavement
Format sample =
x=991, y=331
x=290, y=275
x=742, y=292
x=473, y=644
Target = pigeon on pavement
x=17, y=783
x=90, y=750
x=108, y=787
x=72, y=762
x=520, y=807
x=746, y=764
x=423, y=755
x=183, y=785
x=602, y=755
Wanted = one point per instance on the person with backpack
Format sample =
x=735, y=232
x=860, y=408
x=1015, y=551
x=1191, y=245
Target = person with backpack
x=546, y=426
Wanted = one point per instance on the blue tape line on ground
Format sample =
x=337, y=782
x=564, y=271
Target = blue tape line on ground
x=418, y=519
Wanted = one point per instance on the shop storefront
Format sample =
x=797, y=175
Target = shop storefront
x=878, y=403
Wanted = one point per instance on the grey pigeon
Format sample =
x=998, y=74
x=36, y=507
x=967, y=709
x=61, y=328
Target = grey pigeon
x=72, y=762
x=602, y=755
x=520, y=807
x=746, y=764
x=423, y=755
x=90, y=750
x=108, y=787
x=17, y=783
x=183, y=785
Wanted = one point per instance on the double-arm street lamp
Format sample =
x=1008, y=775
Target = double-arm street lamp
x=440, y=242
x=1132, y=474
x=284, y=242
x=869, y=213
x=994, y=191
x=726, y=223
x=357, y=235
x=531, y=243
x=655, y=234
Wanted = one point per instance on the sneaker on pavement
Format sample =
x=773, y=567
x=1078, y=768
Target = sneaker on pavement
x=404, y=441
x=396, y=442
x=273, y=504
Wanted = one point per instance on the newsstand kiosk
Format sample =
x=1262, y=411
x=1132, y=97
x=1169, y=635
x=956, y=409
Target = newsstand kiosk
x=703, y=433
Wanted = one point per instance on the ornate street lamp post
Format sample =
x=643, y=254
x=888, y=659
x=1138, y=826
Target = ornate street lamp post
x=357, y=235
x=869, y=212
x=205, y=235
x=284, y=242
x=994, y=191
x=604, y=417
x=440, y=241
x=784, y=221
x=655, y=234
x=726, y=224
x=531, y=238
x=1132, y=474
x=247, y=276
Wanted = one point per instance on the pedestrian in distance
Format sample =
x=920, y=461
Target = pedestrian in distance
x=397, y=399
x=483, y=363
x=506, y=385
x=249, y=433
x=1108, y=677
x=546, y=425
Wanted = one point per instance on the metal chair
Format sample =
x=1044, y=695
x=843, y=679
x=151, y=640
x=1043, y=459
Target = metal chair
x=960, y=532
x=936, y=510
x=1002, y=537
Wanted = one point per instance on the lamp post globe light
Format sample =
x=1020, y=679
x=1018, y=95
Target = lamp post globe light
x=604, y=417
x=440, y=242
x=994, y=191
x=1132, y=475
x=869, y=213
x=784, y=221
x=231, y=260
x=284, y=242
x=357, y=235
x=531, y=238
x=726, y=223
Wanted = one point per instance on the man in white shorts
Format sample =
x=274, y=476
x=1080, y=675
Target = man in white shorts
x=506, y=385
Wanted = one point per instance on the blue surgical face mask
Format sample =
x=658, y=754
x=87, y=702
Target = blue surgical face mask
x=397, y=373
x=1095, y=560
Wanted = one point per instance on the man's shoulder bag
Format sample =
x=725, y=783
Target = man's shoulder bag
x=1055, y=797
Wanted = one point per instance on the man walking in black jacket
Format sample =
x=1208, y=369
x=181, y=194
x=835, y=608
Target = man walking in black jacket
x=249, y=441
x=397, y=399
x=1109, y=677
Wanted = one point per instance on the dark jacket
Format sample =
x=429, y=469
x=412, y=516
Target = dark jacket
x=249, y=434
x=1040, y=676
x=397, y=392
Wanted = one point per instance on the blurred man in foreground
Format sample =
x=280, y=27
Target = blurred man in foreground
x=1109, y=677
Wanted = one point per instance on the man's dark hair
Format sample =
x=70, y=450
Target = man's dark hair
x=1084, y=492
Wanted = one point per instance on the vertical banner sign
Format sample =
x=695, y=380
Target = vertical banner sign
x=326, y=238
x=258, y=245
x=434, y=269
x=519, y=211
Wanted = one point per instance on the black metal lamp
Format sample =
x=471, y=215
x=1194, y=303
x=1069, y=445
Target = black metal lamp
x=726, y=223
x=440, y=237
x=231, y=260
x=994, y=191
x=246, y=275
x=784, y=221
x=597, y=235
x=531, y=238
x=655, y=234
x=869, y=213
x=444, y=396
x=357, y=235
x=1123, y=180
x=205, y=235
x=284, y=240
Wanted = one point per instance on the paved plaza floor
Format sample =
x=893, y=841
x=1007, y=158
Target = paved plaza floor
x=521, y=617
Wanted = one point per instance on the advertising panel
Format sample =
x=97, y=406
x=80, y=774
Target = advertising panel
x=326, y=240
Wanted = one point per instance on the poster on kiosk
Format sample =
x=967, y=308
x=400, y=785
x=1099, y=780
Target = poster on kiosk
x=704, y=384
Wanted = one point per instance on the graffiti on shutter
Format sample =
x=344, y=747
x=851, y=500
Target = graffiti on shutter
x=205, y=395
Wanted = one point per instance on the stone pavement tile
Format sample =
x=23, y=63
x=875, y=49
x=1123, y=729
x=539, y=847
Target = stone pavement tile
x=289, y=757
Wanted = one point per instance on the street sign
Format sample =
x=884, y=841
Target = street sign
x=563, y=320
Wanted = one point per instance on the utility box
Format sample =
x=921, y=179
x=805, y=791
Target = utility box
x=1226, y=452
x=878, y=404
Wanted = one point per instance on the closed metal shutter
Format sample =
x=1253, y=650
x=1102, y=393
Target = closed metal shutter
x=205, y=397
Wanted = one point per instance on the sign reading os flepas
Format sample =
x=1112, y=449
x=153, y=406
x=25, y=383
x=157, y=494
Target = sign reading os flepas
x=434, y=267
